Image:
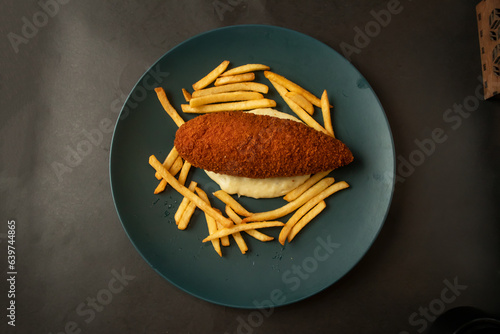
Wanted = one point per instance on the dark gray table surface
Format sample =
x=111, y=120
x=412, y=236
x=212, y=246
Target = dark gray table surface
x=66, y=68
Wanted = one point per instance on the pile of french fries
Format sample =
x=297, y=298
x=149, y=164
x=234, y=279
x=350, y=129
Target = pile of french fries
x=231, y=90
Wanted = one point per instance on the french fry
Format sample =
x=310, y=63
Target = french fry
x=229, y=200
x=184, y=172
x=239, y=86
x=293, y=194
x=291, y=86
x=187, y=95
x=225, y=239
x=188, y=193
x=242, y=227
x=306, y=219
x=234, y=78
x=230, y=106
x=254, y=233
x=176, y=167
x=301, y=101
x=210, y=77
x=169, y=161
x=160, y=187
x=240, y=242
x=211, y=224
x=186, y=216
x=184, y=204
x=298, y=109
x=293, y=205
x=216, y=243
x=162, y=97
x=325, y=109
x=245, y=69
x=308, y=206
x=225, y=97
x=280, y=89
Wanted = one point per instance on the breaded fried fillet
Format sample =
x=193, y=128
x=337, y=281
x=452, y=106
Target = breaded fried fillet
x=258, y=146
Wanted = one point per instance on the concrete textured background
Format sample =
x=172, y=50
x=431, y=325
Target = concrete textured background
x=66, y=68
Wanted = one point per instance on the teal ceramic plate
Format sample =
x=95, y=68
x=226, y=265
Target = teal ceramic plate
x=269, y=274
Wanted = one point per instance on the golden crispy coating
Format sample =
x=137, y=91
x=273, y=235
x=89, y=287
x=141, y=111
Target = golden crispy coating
x=258, y=146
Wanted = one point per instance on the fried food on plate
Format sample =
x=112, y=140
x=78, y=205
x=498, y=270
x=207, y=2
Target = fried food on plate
x=225, y=97
x=188, y=193
x=301, y=101
x=245, y=69
x=234, y=79
x=258, y=146
x=325, y=109
x=228, y=106
x=239, y=86
x=291, y=86
x=162, y=97
x=210, y=77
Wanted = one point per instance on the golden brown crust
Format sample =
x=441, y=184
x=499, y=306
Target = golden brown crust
x=258, y=146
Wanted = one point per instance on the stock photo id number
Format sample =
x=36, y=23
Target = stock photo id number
x=11, y=272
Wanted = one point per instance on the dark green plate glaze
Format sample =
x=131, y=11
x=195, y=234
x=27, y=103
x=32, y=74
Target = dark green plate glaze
x=269, y=274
